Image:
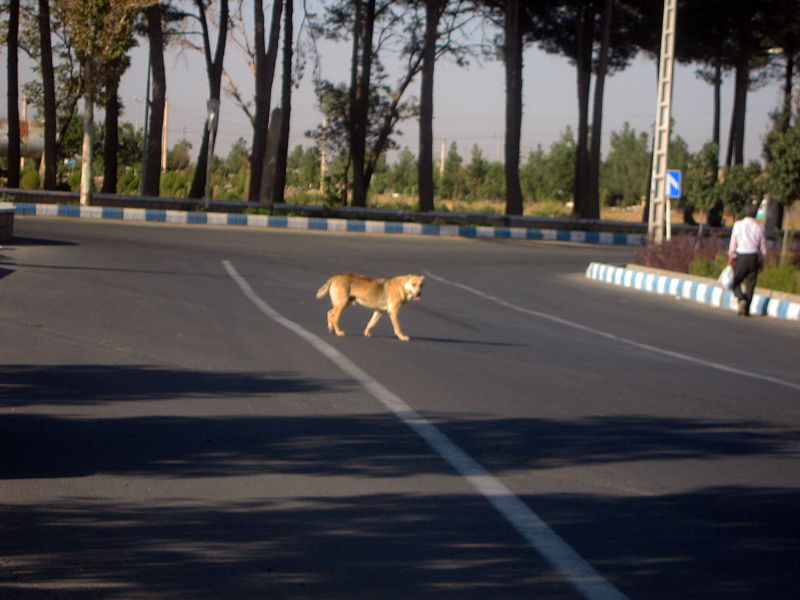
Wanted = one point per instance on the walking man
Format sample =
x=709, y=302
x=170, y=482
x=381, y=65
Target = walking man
x=747, y=253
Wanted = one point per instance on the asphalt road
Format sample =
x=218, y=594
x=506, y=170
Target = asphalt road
x=176, y=422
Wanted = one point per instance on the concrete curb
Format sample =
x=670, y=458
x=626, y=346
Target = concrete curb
x=179, y=217
x=697, y=289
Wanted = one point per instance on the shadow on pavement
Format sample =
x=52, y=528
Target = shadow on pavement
x=711, y=543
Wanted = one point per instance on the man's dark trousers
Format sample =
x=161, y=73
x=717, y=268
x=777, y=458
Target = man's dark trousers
x=745, y=270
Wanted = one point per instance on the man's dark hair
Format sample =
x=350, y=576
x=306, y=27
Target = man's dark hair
x=751, y=210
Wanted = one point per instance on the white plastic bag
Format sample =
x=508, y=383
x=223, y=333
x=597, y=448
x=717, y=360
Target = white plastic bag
x=725, y=280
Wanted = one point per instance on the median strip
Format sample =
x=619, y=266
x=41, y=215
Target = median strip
x=300, y=223
x=697, y=289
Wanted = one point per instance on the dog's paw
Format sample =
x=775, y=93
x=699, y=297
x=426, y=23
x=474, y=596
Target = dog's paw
x=403, y=338
x=367, y=333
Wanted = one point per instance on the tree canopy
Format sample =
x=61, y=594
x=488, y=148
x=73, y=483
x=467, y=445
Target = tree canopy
x=353, y=148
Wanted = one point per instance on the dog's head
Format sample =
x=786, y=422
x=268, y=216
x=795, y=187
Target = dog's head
x=412, y=286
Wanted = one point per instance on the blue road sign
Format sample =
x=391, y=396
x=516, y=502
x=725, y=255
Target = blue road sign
x=673, y=184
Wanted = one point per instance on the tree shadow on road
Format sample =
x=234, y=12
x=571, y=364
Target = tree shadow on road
x=212, y=436
x=27, y=241
x=69, y=422
x=27, y=385
x=743, y=545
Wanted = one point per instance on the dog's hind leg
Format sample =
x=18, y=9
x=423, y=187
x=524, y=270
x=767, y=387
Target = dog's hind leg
x=375, y=316
x=333, y=319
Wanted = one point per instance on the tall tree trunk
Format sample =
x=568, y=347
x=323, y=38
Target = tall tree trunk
x=736, y=138
x=360, y=107
x=715, y=212
x=775, y=210
x=270, y=157
x=433, y=13
x=152, y=166
x=716, y=127
x=355, y=53
x=593, y=186
x=265, y=59
x=88, y=134
x=13, y=155
x=214, y=70
x=286, y=105
x=111, y=142
x=583, y=63
x=257, y=144
x=787, y=91
x=513, y=64
x=50, y=157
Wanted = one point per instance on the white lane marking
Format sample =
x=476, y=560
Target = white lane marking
x=616, y=338
x=527, y=523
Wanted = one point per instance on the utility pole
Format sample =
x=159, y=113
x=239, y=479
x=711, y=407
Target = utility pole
x=659, y=221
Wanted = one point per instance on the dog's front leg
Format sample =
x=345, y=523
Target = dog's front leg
x=396, y=325
x=375, y=316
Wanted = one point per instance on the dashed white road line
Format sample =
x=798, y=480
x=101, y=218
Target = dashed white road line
x=579, y=573
x=616, y=338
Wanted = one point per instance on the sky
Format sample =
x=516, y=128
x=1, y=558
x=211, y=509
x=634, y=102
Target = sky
x=468, y=101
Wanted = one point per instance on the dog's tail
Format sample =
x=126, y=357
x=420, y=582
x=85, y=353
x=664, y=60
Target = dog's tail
x=324, y=289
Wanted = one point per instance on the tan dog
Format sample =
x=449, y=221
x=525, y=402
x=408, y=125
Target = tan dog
x=385, y=295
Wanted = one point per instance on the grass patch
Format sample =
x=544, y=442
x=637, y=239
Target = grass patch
x=708, y=268
x=782, y=276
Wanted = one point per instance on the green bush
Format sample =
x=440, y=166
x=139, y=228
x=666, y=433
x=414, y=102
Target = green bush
x=175, y=184
x=29, y=180
x=128, y=182
x=708, y=268
x=74, y=180
x=781, y=276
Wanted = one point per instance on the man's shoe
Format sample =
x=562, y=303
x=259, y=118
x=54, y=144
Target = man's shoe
x=742, y=308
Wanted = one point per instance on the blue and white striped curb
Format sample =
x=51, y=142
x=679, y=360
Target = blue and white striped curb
x=697, y=291
x=326, y=224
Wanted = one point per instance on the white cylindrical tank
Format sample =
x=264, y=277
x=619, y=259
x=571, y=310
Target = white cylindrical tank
x=31, y=142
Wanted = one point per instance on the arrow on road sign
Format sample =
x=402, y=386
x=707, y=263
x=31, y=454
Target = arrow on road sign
x=673, y=184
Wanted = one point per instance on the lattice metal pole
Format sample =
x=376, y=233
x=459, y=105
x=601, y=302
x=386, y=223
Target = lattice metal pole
x=659, y=215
